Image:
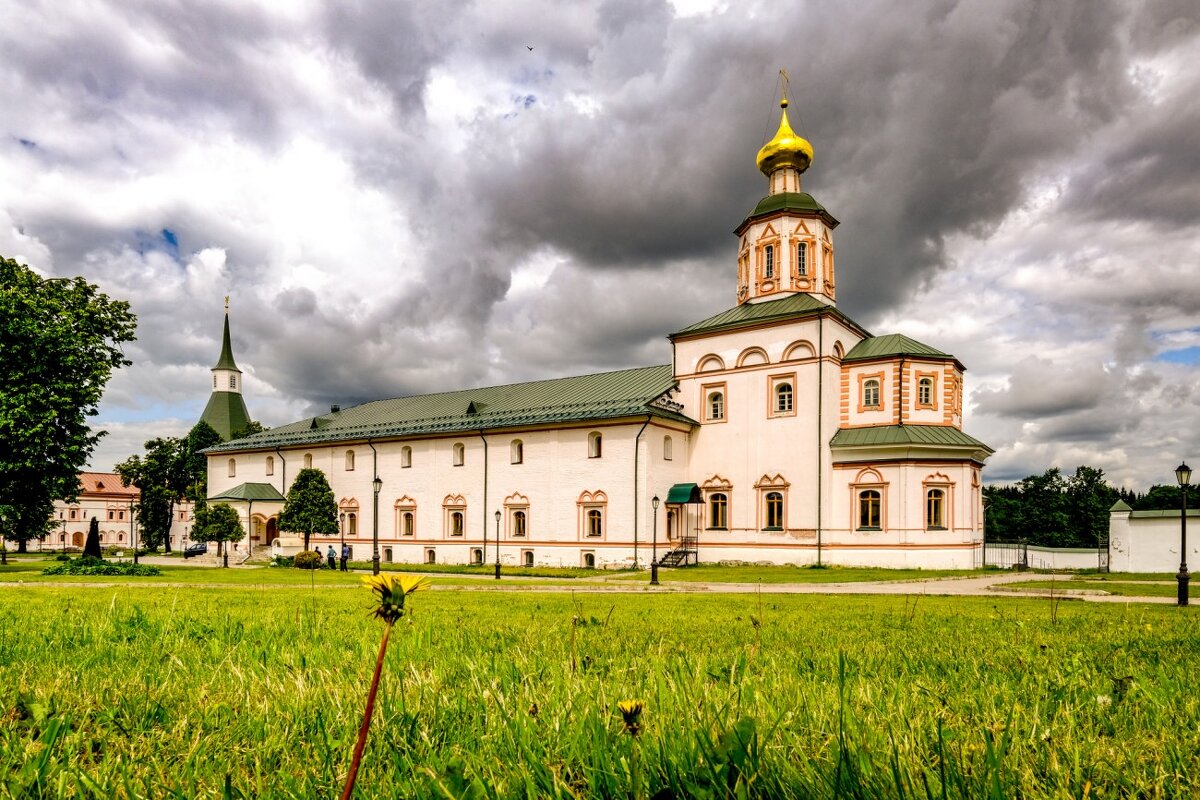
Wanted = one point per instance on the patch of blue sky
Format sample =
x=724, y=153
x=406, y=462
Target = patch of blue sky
x=1186, y=355
x=164, y=241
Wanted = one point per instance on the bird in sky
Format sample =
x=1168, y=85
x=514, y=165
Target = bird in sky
x=530, y=47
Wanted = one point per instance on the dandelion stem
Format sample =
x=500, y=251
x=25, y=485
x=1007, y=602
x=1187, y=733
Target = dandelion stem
x=370, y=710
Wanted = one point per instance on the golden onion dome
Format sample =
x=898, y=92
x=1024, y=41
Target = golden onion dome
x=786, y=149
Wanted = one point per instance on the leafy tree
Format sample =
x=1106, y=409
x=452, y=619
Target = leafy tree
x=218, y=523
x=249, y=429
x=1042, y=517
x=309, y=507
x=59, y=344
x=195, y=463
x=1164, y=497
x=1089, y=497
x=158, y=477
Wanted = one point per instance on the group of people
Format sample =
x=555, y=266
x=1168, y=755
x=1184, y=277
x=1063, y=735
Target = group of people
x=333, y=558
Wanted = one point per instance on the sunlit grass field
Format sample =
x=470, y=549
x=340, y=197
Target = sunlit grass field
x=196, y=692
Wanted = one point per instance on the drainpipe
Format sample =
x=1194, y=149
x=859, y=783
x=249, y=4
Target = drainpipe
x=375, y=511
x=636, y=441
x=820, y=408
x=484, y=515
x=283, y=472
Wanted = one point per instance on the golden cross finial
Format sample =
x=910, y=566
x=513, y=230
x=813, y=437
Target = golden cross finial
x=226, y=304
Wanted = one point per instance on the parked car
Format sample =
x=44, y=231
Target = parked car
x=195, y=549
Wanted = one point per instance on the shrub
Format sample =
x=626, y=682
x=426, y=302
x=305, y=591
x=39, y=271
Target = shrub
x=87, y=565
x=307, y=559
x=282, y=561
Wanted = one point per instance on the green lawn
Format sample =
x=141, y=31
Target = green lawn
x=714, y=573
x=170, y=692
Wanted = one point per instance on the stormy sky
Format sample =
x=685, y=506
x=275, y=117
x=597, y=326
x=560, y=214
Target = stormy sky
x=404, y=197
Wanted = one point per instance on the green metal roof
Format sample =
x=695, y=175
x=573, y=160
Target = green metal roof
x=1121, y=505
x=684, y=493
x=607, y=395
x=894, y=344
x=226, y=412
x=930, y=435
x=794, y=306
x=226, y=360
x=250, y=491
x=788, y=201
x=1192, y=512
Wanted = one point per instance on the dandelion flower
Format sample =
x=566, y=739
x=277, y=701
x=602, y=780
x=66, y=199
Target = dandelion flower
x=392, y=590
x=631, y=715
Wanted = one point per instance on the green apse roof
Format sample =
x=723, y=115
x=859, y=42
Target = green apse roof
x=607, y=395
x=929, y=435
x=251, y=491
x=226, y=412
x=226, y=360
x=793, y=306
x=788, y=201
x=894, y=344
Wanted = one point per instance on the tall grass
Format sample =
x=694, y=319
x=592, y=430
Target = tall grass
x=141, y=692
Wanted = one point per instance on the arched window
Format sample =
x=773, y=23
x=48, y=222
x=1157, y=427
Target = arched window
x=774, y=510
x=595, y=522
x=769, y=261
x=460, y=454
x=120, y=537
x=233, y=468
x=668, y=448
x=589, y=560
x=387, y=554
x=352, y=524
x=802, y=259
x=270, y=465
x=456, y=523
x=349, y=461
x=405, y=457
x=516, y=452
x=871, y=393
x=868, y=509
x=518, y=523
x=430, y=556
x=476, y=556
x=527, y=556
x=718, y=511
x=308, y=460
x=935, y=509
x=716, y=405
x=925, y=392
x=783, y=397
x=595, y=445
x=409, y=522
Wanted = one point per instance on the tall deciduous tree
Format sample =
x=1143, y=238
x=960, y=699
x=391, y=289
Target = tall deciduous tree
x=157, y=475
x=195, y=466
x=309, y=507
x=59, y=344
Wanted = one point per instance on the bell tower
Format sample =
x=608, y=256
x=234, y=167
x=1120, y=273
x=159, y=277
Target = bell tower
x=226, y=410
x=785, y=245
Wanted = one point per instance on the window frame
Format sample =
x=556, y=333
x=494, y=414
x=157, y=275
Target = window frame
x=232, y=464
x=269, y=466
x=766, y=486
x=931, y=404
x=775, y=382
x=595, y=444
x=405, y=510
x=718, y=511
x=863, y=379
x=349, y=466
x=406, y=453
x=865, y=502
x=458, y=457
x=516, y=452
x=773, y=504
x=668, y=452
x=590, y=503
x=706, y=406
x=454, y=504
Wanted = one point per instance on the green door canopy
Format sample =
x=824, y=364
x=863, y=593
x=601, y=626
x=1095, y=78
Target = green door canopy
x=684, y=493
x=250, y=491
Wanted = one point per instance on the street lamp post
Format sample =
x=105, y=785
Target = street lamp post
x=131, y=530
x=497, y=544
x=654, y=552
x=377, y=484
x=1183, y=474
x=342, y=529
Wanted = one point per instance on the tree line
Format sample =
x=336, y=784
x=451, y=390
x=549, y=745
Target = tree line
x=1057, y=510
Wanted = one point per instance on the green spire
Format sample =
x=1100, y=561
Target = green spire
x=226, y=360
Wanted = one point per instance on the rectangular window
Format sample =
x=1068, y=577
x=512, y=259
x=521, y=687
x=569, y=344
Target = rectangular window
x=802, y=259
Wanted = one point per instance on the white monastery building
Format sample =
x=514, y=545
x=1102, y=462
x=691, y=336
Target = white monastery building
x=781, y=432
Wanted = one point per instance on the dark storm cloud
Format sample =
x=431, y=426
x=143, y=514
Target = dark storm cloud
x=936, y=128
